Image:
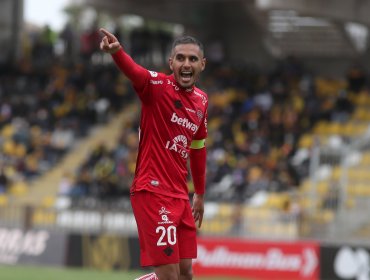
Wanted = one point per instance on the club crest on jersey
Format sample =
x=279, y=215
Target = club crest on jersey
x=178, y=103
x=199, y=115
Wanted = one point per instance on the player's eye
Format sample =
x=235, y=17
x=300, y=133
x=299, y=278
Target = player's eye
x=180, y=57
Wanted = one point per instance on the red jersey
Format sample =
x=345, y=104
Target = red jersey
x=171, y=117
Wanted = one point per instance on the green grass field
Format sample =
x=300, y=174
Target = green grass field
x=48, y=273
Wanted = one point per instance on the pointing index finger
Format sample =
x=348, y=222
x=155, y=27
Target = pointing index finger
x=106, y=33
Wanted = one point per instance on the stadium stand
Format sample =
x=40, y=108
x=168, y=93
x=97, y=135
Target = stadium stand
x=287, y=147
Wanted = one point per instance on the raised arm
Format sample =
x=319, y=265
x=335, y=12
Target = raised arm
x=136, y=73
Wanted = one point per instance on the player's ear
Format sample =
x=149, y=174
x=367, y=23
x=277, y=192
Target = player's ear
x=170, y=61
x=203, y=63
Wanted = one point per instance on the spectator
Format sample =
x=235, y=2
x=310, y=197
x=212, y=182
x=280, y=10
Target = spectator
x=4, y=181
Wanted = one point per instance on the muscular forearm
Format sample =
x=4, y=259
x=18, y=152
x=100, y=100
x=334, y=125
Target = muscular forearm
x=136, y=73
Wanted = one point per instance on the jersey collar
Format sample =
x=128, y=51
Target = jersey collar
x=172, y=79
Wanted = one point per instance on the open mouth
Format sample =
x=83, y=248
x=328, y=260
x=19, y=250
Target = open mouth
x=186, y=75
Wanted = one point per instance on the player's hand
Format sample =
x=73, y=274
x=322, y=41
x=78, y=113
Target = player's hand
x=198, y=208
x=109, y=42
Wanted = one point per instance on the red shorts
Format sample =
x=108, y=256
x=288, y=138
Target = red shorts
x=167, y=231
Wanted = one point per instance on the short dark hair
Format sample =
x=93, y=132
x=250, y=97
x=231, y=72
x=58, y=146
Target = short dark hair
x=186, y=39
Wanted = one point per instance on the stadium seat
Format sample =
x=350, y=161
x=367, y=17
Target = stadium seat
x=306, y=141
x=3, y=200
x=42, y=216
x=48, y=201
x=19, y=188
x=276, y=200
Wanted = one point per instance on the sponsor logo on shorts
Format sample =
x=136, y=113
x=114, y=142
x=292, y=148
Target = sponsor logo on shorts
x=164, y=211
x=164, y=216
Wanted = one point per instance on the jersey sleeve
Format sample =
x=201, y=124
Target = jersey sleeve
x=198, y=158
x=202, y=131
x=138, y=75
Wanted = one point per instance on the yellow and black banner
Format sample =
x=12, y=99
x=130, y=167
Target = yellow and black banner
x=103, y=252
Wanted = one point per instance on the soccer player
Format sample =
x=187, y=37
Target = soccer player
x=173, y=129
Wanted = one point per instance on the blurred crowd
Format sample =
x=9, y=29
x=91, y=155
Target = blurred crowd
x=256, y=117
x=47, y=104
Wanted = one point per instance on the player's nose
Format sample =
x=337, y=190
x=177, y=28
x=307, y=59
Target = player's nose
x=187, y=63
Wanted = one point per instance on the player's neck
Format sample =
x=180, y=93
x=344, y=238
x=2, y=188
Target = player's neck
x=179, y=87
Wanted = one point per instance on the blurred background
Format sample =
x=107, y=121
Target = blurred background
x=288, y=169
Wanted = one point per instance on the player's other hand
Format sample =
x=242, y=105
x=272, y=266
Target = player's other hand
x=198, y=208
x=109, y=42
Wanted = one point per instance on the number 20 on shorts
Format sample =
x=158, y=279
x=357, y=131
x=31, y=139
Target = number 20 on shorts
x=168, y=233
